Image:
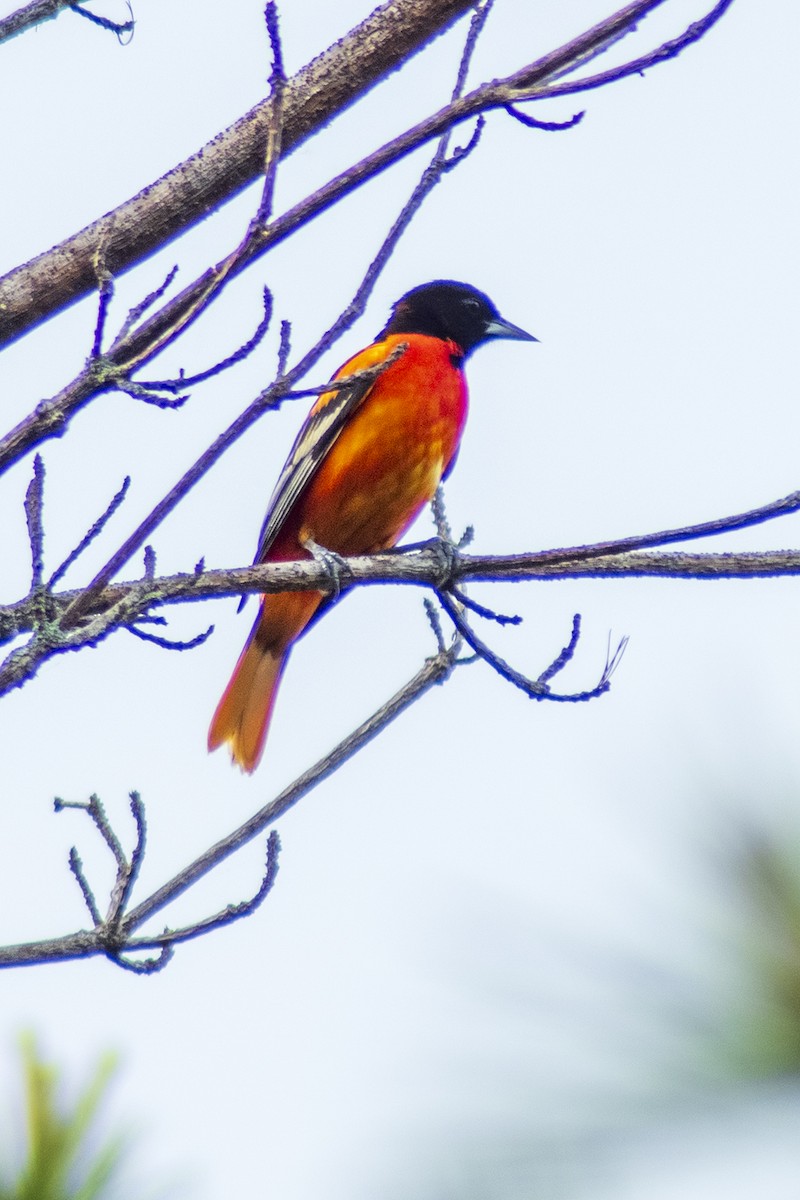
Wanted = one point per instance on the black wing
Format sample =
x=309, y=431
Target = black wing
x=314, y=441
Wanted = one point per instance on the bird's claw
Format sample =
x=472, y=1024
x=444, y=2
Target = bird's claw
x=334, y=563
x=447, y=551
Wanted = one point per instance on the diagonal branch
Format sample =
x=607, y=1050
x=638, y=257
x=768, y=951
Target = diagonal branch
x=134, y=349
x=46, y=284
x=638, y=66
x=497, y=94
x=224, y=166
x=117, y=940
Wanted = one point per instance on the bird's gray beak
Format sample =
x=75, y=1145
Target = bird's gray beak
x=500, y=328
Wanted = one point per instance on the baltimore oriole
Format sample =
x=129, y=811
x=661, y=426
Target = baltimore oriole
x=366, y=461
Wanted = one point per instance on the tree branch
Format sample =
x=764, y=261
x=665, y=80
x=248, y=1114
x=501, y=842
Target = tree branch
x=426, y=567
x=119, y=605
x=137, y=346
x=115, y=939
x=224, y=166
x=31, y=15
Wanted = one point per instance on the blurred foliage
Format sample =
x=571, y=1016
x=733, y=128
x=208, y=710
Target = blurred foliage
x=771, y=879
x=59, y=1162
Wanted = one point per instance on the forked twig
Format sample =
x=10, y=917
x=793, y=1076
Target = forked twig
x=535, y=689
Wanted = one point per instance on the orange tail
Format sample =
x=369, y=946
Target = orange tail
x=243, y=714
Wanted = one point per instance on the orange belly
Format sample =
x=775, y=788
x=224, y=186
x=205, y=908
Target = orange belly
x=380, y=473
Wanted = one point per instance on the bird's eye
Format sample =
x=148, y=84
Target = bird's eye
x=471, y=302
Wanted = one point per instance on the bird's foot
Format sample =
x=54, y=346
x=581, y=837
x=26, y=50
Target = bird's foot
x=334, y=564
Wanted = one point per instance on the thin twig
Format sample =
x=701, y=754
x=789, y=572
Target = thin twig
x=33, y=517
x=97, y=812
x=637, y=66
x=566, y=655
x=118, y=27
x=136, y=313
x=171, y=643
x=184, y=381
x=147, y=393
x=284, y=348
x=76, y=867
x=546, y=126
x=277, y=90
x=95, y=530
x=104, y=298
x=480, y=610
x=432, y=613
x=229, y=914
x=535, y=689
x=127, y=871
x=143, y=966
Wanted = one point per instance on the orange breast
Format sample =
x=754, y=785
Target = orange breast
x=389, y=459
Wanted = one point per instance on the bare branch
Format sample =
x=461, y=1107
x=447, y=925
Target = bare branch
x=116, y=940
x=277, y=87
x=140, y=345
x=33, y=517
x=523, y=84
x=124, y=603
x=104, y=298
x=95, y=531
x=136, y=313
x=539, y=688
x=567, y=654
x=638, y=66
x=224, y=166
x=481, y=610
x=435, y=671
x=31, y=15
x=93, y=807
x=170, y=643
x=76, y=866
x=118, y=27
x=127, y=872
x=145, y=966
x=183, y=381
x=229, y=914
x=148, y=394
x=432, y=613
x=284, y=348
x=546, y=126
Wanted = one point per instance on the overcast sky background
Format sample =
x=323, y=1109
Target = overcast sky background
x=503, y=957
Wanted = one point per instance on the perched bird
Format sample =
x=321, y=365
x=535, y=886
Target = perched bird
x=365, y=463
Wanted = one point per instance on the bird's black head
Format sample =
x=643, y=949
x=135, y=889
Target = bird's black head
x=454, y=312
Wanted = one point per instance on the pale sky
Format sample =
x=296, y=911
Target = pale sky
x=502, y=945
